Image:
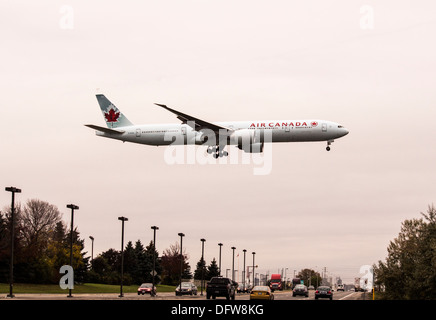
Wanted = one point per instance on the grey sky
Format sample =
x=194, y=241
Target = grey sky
x=220, y=61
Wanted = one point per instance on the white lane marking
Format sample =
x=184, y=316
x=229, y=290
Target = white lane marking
x=347, y=296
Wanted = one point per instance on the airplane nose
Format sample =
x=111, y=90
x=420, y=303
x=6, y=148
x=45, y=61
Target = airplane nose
x=345, y=132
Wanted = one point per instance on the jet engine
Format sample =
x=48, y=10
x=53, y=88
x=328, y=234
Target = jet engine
x=248, y=141
x=207, y=138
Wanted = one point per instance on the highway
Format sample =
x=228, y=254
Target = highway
x=278, y=295
x=287, y=295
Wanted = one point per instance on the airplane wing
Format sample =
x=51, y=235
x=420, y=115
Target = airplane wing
x=195, y=123
x=105, y=130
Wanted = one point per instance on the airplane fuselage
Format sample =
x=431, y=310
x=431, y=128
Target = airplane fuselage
x=260, y=131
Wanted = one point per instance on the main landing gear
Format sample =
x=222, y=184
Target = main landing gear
x=217, y=151
x=329, y=142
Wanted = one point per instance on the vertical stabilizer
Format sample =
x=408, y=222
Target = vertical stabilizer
x=113, y=117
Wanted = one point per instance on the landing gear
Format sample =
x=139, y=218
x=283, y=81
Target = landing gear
x=329, y=142
x=220, y=154
x=217, y=152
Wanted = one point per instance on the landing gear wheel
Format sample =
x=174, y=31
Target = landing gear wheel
x=329, y=142
x=217, y=152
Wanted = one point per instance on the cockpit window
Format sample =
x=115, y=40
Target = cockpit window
x=339, y=126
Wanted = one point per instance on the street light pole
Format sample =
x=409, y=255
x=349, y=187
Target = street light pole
x=253, y=268
x=122, y=253
x=181, y=258
x=220, y=244
x=286, y=269
x=233, y=264
x=202, y=267
x=243, y=272
x=92, y=251
x=154, y=253
x=72, y=207
x=13, y=190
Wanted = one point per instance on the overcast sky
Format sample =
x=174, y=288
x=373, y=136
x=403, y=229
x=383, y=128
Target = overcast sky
x=369, y=65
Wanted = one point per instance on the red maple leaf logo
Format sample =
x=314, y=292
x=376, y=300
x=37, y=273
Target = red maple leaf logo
x=111, y=116
x=314, y=124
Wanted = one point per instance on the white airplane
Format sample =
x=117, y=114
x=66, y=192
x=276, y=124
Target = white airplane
x=249, y=136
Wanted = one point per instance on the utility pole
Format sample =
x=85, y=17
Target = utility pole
x=122, y=219
x=202, y=267
x=181, y=258
x=72, y=207
x=13, y=190
x=154, y=228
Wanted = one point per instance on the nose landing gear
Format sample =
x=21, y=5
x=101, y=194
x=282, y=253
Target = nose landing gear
x=329, y=142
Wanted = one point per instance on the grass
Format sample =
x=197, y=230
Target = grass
x=78, y=288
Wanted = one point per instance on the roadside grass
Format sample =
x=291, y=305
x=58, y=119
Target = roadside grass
x=78, y=288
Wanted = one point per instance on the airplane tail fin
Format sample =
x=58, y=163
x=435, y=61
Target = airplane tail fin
x=113, y=117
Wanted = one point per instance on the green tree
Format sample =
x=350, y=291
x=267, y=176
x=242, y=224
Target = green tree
x=409, y=271
x=200, y=270
x=151, y=253
x=20, y=261
x=112, y=266
x=41, y=244
x=212, y=270
x=310, y=277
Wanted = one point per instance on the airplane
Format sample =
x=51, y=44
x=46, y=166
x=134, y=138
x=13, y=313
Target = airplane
x=248, y=136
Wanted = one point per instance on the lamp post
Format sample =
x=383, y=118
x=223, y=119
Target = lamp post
x=72, y=207
x=286, y=269
x=154, y=253
x=243, y=272
x=123, y=219
x=202, y=267
x=220, y=244
x=92, y=250
x=233, y=264
x=253, y=267
x=181, y=258
x=13, y=190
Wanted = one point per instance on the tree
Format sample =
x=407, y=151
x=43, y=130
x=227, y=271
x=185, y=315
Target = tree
x=151, y=253
x=171, y=265
x=409, y=271
x=212, y=270
x=39, y=219
x=310, y=277
x=41, y=244
x=5, y=241
x=111, y=265
x=200, y=271
x=4, y=255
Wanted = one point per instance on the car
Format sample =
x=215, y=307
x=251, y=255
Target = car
x=221, y=287
x=340, y=287
x=243, y=288
x=310, y=288
x=300, y=290
x=187, y=288
x=147, y=288
x=261, y=293
x=323, y=292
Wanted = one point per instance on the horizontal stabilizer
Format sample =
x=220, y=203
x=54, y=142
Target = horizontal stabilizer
x=105, y=130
